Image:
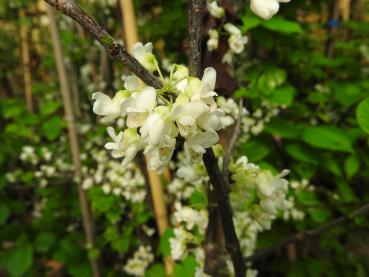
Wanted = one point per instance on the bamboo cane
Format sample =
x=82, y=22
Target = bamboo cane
x=156, y=188
x=26, y=61
x=87, y=219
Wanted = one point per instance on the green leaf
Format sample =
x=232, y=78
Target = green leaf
x=282, y=96
x=301, y=153
x=156, y=270
x=52, y=128
x=352, y=166
x=198, y=199
x=283, y=128
x=327, y=137
x=330, y=163
x=345, y=191
x=362, y=114
x=44, y=241
x=164, y=245
x=271, y=79
x=347, y=94
x=19, y=259
x=186, y=268
x=250, y=22
x=307, y=197
x=279, y=24
x=320, y=215
x=240, y=92
x=49, y=108
x=12, y=108
x=255, y=151
x=4, y=213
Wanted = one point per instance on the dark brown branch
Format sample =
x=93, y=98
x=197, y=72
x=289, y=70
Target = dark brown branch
x=194, y=36
x=225, y=210
x=210, y=161
x=116, y=51
x=308, y=234
x=232, y=143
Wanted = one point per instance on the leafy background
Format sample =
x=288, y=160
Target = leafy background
x=321, y=134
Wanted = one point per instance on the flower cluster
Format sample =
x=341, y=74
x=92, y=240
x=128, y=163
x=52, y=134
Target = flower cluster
x=292, y=212
x=185, y=106
x=126, y=182
x=257, y=198
x=266, y=8
x=42, y=168
x=236, y=41
x=254, y=123
x=189, y=221
x=264, y=192
x=141, y=259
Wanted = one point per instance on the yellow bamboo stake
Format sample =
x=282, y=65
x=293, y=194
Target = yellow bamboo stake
x=345, y=9
x=87, y=219
x=129, y=23
x=26, y=61
x=157, y=194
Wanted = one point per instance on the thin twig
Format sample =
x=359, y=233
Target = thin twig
x=194, y=36
x=116, y=51
x=308, y=234
x=210, y=161
x=232, y=143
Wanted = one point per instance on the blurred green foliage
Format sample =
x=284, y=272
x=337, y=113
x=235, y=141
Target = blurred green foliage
x=320, y=134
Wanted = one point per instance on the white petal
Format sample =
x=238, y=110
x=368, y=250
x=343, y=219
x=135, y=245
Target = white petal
x=156, y=132
x=148, y=47
x=146, y=99
x=103, y=103
x=138, y=51
x=205, y=139
x=131, y=82
x=111, y=146
x=209, y=79
x=130, y=102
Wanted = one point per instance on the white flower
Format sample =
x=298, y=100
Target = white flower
x=186, y=115
x=188, y=173
x=139, y=106
x=264, y=8
x=143, y=53
x=195, y=145
x=263, y=219
x=178, y=248
x=158, y=125
x=141, y=259
x=272, y=191
x=159, y=156
x=190, y=217
x=107, y=107
x=131, y=82
x=213, y=41
x=126, y=144
x=211, y=121
x=214, y=9
x=228, y=57
x=178, y=243
x=236, y=41
x=106, y=188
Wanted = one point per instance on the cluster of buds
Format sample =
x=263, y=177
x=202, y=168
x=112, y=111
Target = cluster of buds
x=185, y=106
